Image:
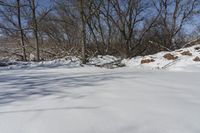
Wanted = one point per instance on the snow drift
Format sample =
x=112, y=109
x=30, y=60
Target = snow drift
x=182, y=59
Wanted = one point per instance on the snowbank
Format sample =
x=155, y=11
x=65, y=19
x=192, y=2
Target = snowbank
x=183, y=60
x=181, y=63
x=101, y=60
x=68, y=62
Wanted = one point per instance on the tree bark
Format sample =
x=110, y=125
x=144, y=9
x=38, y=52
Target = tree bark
x=21, y=30
x=83, y=31
x=35, y=30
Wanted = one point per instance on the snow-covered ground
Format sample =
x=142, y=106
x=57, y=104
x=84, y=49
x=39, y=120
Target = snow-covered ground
x=98, y=100
x=62, y=96
x=182, y=63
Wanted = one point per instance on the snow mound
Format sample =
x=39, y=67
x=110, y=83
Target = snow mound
x=68, y=62
x=101, y=60
x=184, y=60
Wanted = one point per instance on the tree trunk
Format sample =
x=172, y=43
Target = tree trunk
x=21, y=30
x=35, y=30
x=83, y=31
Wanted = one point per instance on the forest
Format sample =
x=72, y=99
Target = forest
x=33, y=30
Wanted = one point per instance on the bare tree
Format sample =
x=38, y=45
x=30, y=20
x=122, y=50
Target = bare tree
x=77, y=27
x=173, y=17
x=83, y=30
x=21, y=29
x=7, y=12
x=32, y=6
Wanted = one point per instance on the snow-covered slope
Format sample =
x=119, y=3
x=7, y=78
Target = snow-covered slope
x=182, y=63
x=68, y=62
x=101, y=60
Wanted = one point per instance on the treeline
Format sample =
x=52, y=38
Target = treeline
x=39, y=30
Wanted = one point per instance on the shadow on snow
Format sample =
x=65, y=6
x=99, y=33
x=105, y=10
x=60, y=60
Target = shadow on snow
x=24, y=85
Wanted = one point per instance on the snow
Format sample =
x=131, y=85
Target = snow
x=181, y=64
x=98, y=100
x=100, y=60
x=61, y=96
x=68, y=62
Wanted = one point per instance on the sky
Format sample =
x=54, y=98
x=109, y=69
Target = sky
x=45, y=3
x=189, y=28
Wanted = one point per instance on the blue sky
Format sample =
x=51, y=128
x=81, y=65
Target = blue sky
x=189, y=27
x=44, y=2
